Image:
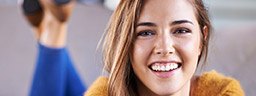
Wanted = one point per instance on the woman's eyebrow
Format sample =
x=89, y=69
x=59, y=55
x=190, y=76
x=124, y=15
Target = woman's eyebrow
x=173, y=23
x=177, y=22
x=146, y=24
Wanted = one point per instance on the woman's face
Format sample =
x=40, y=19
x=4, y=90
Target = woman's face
x=166, y=48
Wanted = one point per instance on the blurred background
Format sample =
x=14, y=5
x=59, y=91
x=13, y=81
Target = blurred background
x=232, y=46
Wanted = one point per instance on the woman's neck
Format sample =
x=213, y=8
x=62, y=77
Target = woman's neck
x=184, y=91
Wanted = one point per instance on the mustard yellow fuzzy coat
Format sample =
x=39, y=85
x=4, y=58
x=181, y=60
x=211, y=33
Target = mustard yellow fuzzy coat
x=208, y=84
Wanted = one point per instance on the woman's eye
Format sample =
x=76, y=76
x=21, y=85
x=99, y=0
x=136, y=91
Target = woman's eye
x=182, y=31
x=145, y=33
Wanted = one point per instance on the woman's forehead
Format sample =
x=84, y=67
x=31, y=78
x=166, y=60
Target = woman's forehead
x=171, y=10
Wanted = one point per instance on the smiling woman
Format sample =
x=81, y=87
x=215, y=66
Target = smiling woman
x=153, y=48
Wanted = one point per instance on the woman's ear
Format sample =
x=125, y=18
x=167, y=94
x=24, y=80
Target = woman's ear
x=205, y=33
x=204, y=37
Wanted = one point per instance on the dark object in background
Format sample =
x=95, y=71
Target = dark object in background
x=31, y=6
x=61, y=2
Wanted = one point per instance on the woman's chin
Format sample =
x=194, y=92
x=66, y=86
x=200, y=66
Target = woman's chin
x=164, y=90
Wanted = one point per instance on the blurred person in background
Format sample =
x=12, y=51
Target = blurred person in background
x=54, y=74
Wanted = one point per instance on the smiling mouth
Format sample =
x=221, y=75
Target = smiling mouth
x=164, y=67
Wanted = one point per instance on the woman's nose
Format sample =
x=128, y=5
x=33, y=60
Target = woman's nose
x=164, y=45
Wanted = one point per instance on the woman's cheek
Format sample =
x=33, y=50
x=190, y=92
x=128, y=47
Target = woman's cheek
x=189, y=52
x=141, y=50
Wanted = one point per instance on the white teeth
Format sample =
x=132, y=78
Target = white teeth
x=158, y=68
x=164, y=67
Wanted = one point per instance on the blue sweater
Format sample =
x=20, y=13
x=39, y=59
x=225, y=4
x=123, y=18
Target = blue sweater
x=55, y=75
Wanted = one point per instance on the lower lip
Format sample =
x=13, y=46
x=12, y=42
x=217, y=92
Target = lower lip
x=165, y=74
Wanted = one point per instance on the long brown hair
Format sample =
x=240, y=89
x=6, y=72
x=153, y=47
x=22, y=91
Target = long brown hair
x=204, y=21
x=118, y=43
x=117, y=46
